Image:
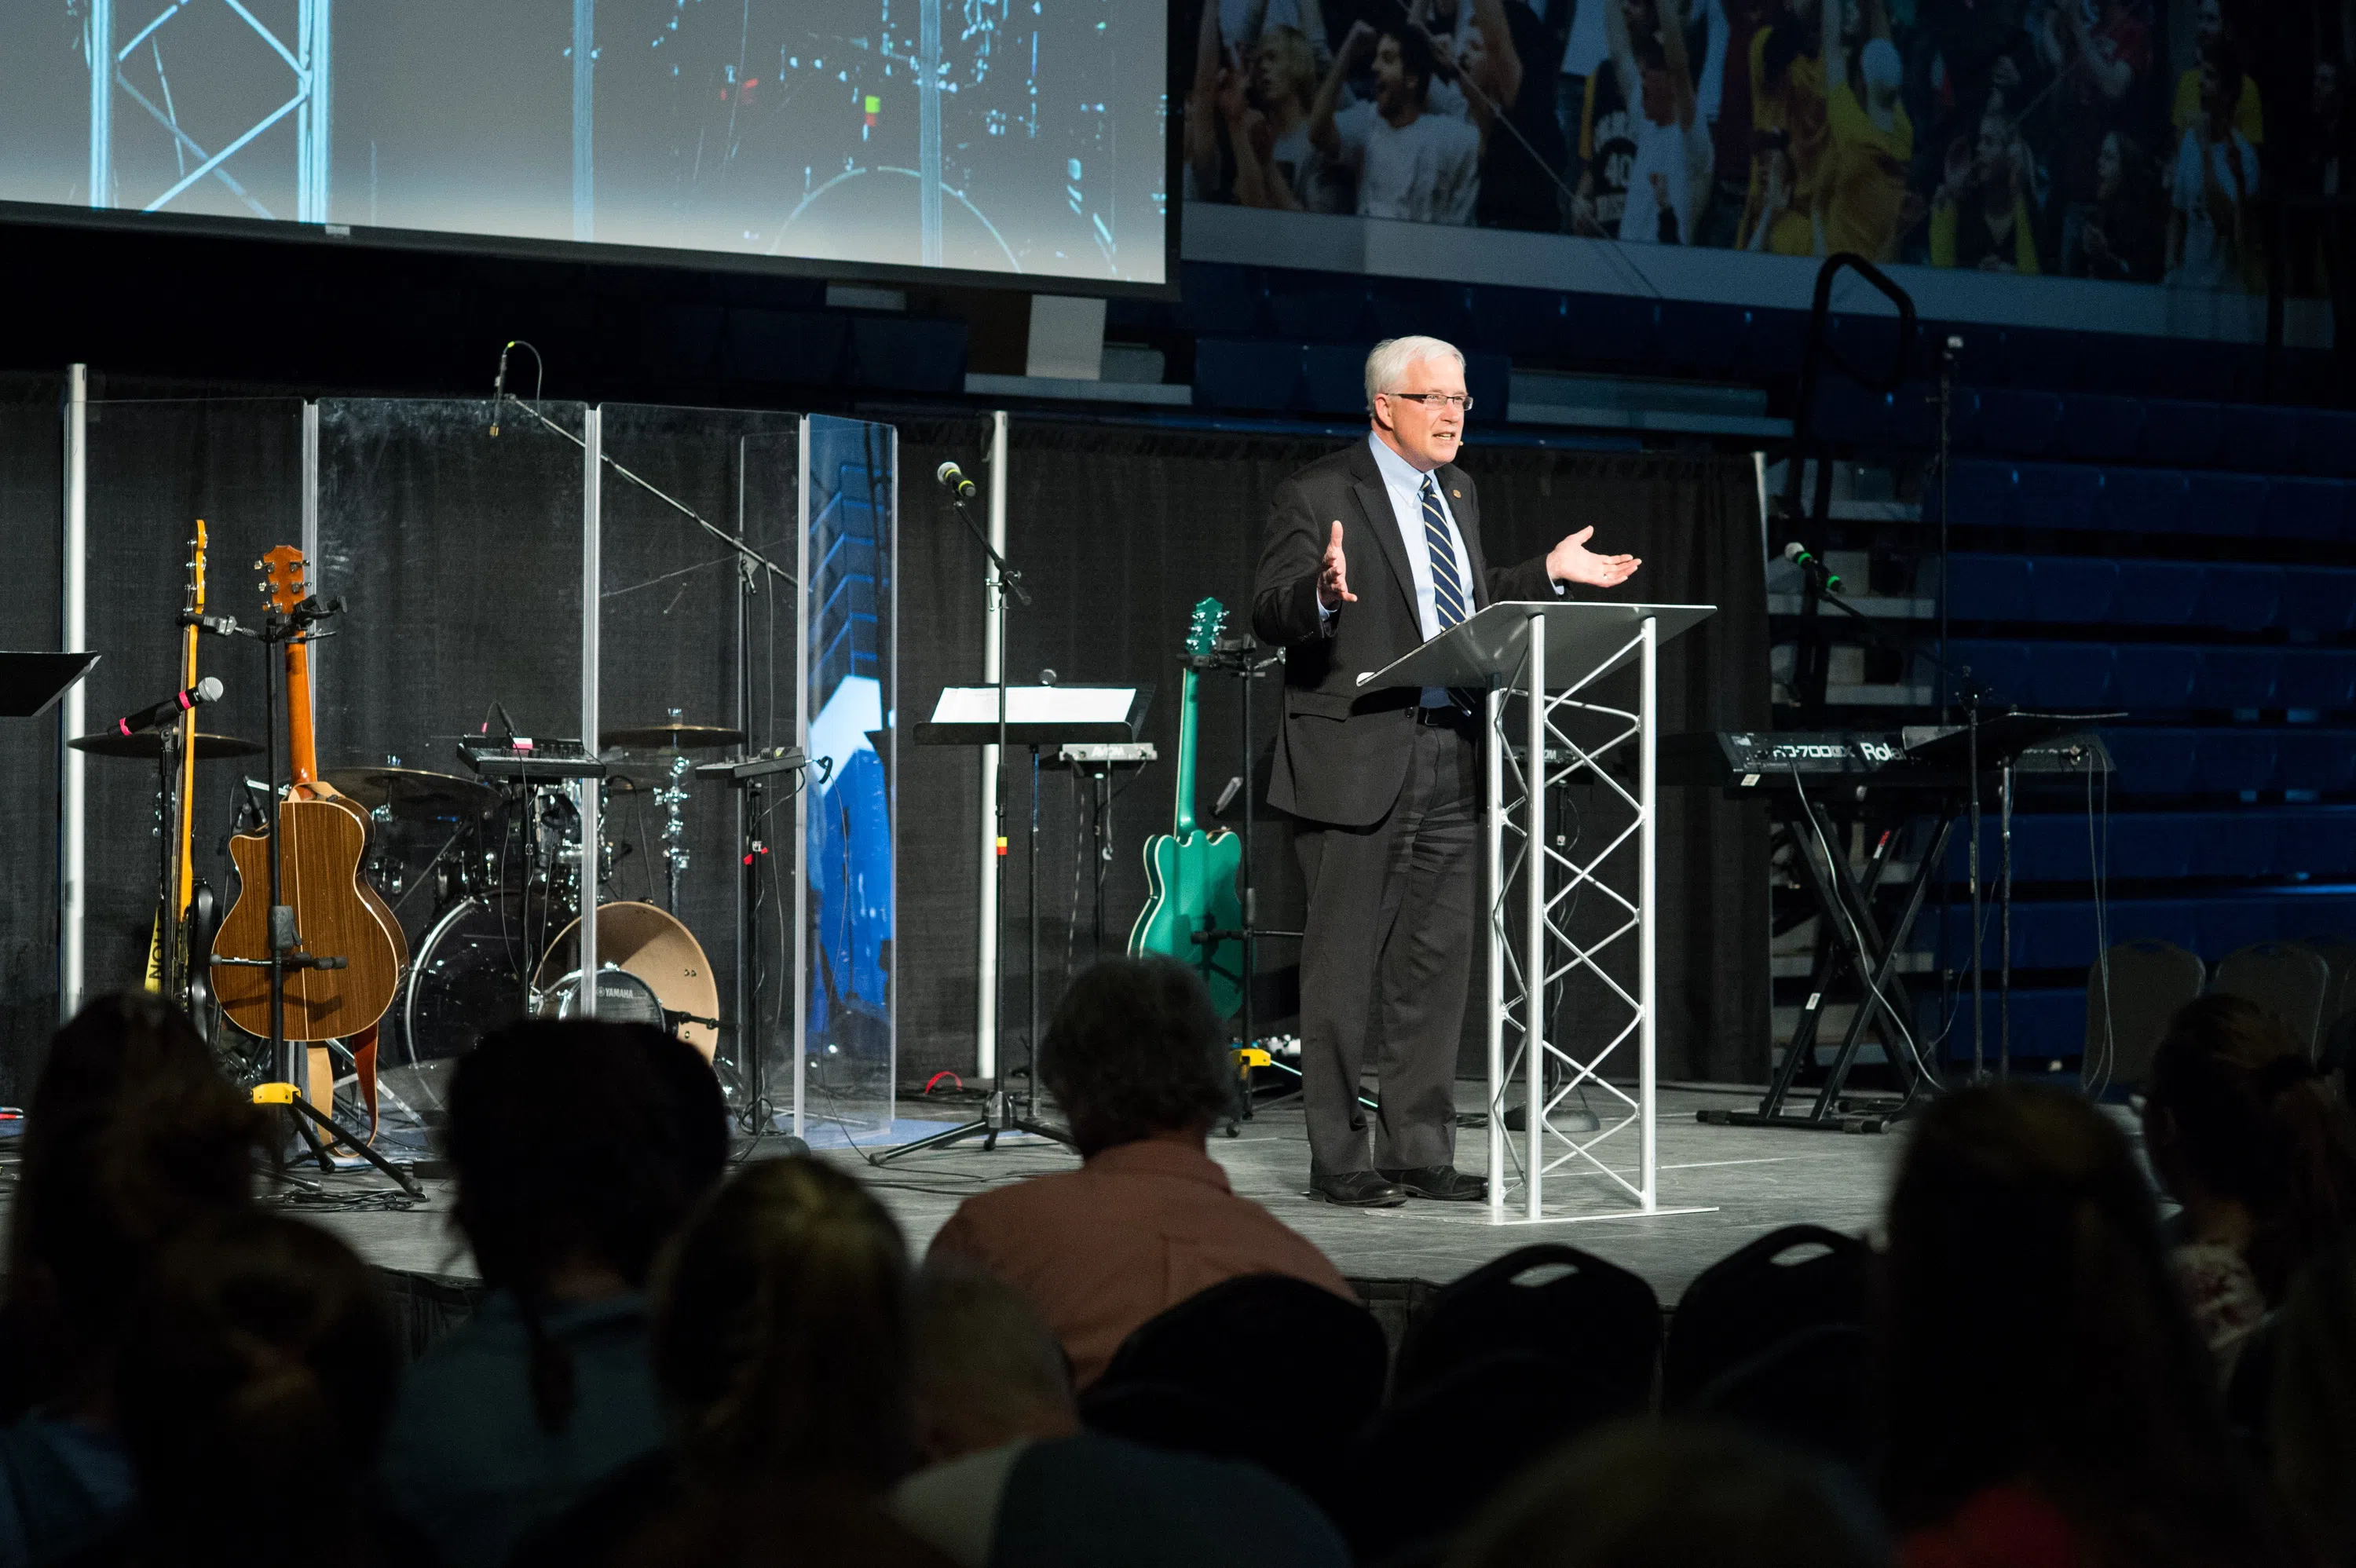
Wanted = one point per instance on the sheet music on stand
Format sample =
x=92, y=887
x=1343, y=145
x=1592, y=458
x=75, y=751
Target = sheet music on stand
x=30, y=682
x=1036, y=715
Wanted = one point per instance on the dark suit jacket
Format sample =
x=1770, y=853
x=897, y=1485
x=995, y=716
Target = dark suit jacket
x=1342, y=753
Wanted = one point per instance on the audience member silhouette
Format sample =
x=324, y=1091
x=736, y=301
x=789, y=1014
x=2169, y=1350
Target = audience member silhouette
x=780, y=1351
x=2044, y=1395
x=132, y=1135
x=1637, y=1495
x=2259, y=1150
x=579, y=1147
x=258, y=1375
x=1015, y=1483
x=1137, y=1061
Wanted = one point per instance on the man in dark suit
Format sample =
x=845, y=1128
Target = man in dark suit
x=1387, y=784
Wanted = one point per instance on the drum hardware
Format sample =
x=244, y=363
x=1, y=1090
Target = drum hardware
x=677, y=737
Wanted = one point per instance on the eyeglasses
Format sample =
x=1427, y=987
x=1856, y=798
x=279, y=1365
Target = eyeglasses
x=1436, y=400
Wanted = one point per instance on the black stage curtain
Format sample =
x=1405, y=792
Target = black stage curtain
x=1118, y=532
x=31, y=487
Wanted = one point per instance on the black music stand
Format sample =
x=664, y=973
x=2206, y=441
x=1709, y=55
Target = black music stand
x=1037, y=717
x=29, y=683
x=754, y=774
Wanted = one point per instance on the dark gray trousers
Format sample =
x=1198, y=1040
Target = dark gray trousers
x=1390, y=926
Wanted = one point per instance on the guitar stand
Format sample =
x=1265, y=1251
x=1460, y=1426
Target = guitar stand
x=285, y=953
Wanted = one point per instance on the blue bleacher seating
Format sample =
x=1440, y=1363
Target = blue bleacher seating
x=1333, y=378
x=2059, y=495
x=2069, y=675
x=2179, y=432
x=2323, y=759
x=2229, y=924
x=2099, y=427
x=2151, y=762
x=1705, y=339
x=2156, y=594
x=1252, y=373
x=1532, y=323
x=2235, y=843
x=2155, y=678
x=2323, y=844
x=2147, y=846
x=2165, y=919
x=912, y=354
x=1611, y=327
x=2322, y=678
x=2307, y=509
x=1981, y=493
x=2047, y=1023
x=2228, y=762
x=1999, y=666
x=2236, y=677
x=2144, y=500
x=1318, y=312
x=2328, y=442
x=1987, y=586
x=2224, y=505
x=1228, y=301
x=2319, y=599
x=2260, y=438
x=2073, y=588
x=2018, y=423
x=1398, y=307
x=2237, y=598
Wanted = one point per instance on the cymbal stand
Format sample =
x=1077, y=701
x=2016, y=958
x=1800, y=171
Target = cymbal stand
x=286, y=953
x=673, y=795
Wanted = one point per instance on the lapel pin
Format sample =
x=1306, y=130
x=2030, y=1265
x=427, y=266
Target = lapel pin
x=1458, y=494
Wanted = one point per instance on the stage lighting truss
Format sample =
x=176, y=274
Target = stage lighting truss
x=1540, y=877
x=129, y=58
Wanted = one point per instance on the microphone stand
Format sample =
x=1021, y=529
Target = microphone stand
x=1001, y=1112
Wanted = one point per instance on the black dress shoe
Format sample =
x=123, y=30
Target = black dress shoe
x=1443, y=1183
x=1357, y=1190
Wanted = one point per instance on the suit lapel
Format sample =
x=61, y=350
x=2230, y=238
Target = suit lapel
x=1375, y=501
x=1464, y=503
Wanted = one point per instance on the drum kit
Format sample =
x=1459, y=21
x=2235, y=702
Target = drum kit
x=487, y=874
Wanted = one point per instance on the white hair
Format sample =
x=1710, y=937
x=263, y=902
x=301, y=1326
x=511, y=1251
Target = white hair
x=1386, y=366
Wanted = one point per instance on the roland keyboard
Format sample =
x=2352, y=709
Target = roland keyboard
x=1929, y=756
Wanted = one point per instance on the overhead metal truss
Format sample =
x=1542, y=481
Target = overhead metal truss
x=113, y=42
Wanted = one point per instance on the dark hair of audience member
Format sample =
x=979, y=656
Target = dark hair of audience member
x=987, y=1368
x=579, y=1147
x=781, y=1333
x=2234, y=1106
x=133, y=1132
x=1416, y=59
x=1643, y=1495
x=1134, y=1049
x=2032, y=1335
x=259, y=1375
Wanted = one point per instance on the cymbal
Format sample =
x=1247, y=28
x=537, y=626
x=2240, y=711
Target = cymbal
x=147, y=743
x=418, y=795
x=673, y=737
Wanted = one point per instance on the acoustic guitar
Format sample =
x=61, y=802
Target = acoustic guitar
x=1190, y=874
x=323, y=841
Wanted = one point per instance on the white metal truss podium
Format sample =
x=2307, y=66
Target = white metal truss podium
x=1552, y=655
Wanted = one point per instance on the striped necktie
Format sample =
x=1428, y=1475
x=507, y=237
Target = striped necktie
x=1447, y=589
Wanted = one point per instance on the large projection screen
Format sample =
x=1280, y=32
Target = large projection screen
x=981, y=137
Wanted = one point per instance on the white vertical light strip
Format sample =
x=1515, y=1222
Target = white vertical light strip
x=1534, y=939
x=928, y=131
x=100, y=41
x=891, y=611
x=1493, y=909
x=72, y=637
x=1647, y=840
x=985, y=1026
x=593, y=450
x=311, y=539
x=314, y=129
x=801, y=964
x=585, y=119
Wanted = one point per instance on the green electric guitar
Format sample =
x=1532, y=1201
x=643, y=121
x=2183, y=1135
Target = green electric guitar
x=1192, y=873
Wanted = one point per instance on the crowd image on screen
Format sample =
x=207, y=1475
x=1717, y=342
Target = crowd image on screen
x=2124, y=141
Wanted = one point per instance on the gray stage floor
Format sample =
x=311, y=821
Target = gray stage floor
x=1745, y=1181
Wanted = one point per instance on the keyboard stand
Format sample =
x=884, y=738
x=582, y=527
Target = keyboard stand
x=1850, y=942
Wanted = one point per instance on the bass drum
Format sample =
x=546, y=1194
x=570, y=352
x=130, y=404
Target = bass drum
x=643, y=943
x=466, y=981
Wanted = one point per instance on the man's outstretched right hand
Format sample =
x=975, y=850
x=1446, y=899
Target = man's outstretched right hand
x=1334, y=575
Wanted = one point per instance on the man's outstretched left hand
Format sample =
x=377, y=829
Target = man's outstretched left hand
x=1573, y=561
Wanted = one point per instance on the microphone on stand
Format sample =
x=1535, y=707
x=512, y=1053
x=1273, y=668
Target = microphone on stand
x=952, y=479
x=1800, y=556
x=206, y=690
x=500, y=387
